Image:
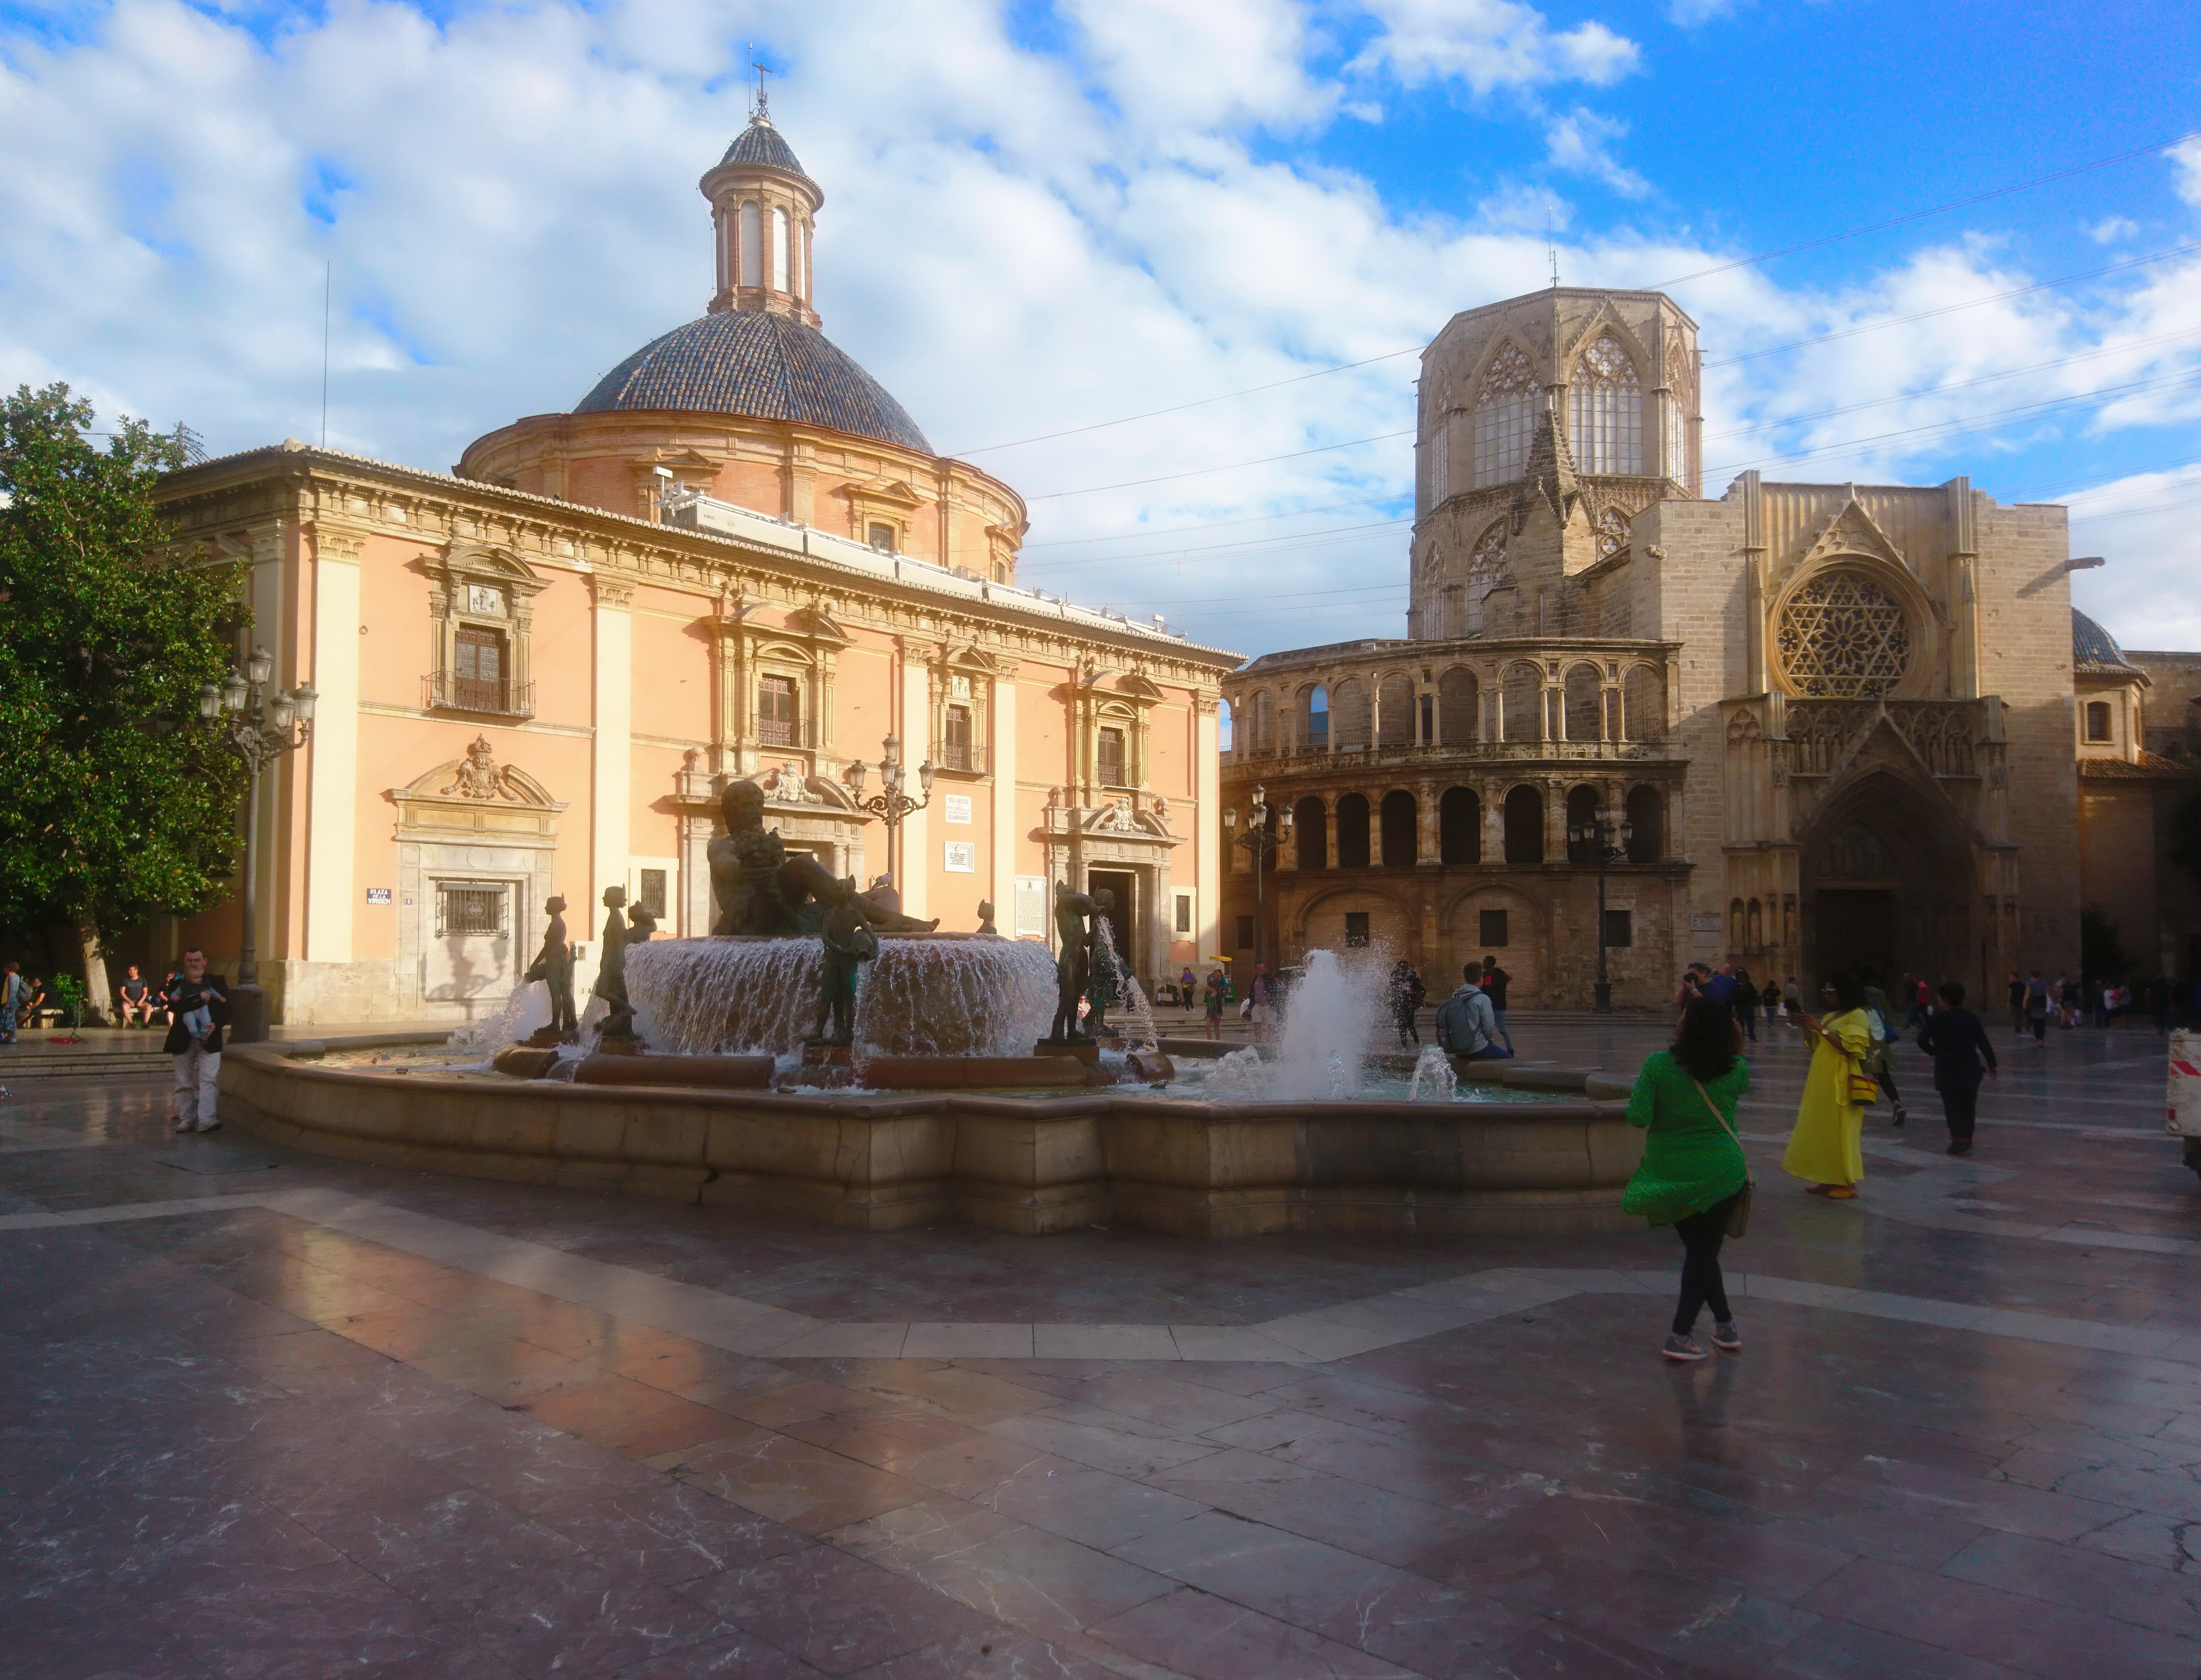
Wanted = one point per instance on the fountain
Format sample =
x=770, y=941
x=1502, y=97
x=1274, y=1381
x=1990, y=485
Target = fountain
x=821, y=1054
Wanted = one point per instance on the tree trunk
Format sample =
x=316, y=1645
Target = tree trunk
x=97, y=998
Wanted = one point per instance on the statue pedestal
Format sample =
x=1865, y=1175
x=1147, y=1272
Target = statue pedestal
x=1085, y=1049
x=829, y=1056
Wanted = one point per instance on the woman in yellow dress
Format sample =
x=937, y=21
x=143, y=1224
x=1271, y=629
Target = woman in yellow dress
x=1825, y=1147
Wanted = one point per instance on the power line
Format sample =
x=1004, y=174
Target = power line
x=1234, y=466
x=1656, y=285
x=1210, y=524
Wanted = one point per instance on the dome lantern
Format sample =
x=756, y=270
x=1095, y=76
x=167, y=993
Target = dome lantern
x=762, y=210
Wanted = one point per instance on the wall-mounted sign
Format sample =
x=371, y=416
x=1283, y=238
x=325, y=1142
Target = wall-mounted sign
x=378, y=895
x=959, y=807
x=961, y=858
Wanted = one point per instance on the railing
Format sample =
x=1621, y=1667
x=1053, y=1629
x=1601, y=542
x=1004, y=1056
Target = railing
x=1315, y=758
x=445, y=691
x=963, y=755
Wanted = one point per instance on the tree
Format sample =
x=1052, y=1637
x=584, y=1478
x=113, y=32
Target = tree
x=119, y=802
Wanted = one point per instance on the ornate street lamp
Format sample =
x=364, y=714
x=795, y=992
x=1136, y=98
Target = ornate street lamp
x=1260, y=845
x=262, y=727
x=890, y=804
x=1607, y=843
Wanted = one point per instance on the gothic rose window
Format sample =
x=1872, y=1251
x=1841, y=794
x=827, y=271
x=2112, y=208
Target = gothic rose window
x=1605, y=410
x=1844, y=637
x=1504, y=414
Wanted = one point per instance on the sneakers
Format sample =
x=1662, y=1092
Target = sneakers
x=1682, y=1351
x=210, y=1126
x=183, y=1125
x=1726, y=1336
x=1960, y=1146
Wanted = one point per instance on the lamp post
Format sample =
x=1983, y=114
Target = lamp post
x=1259, y=843
x=263, y=726
x=890, y=804
x=1608, y=843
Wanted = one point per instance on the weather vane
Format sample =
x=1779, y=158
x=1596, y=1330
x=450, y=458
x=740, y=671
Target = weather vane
x=760, y=107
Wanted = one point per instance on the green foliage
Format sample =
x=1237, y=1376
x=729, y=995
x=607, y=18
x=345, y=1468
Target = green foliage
x=119, y=800
x=2101, y=949
x=68, y=992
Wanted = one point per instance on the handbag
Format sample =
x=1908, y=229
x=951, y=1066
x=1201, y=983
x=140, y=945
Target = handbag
x=1737, y=1216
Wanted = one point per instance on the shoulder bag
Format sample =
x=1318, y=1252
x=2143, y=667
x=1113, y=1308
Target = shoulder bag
x=1737, y=1216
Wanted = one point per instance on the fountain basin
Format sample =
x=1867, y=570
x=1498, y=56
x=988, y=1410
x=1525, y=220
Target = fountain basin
x=1027, y=1164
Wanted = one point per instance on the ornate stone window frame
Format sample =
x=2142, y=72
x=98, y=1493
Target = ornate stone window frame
x=481, y=565
x=806, y=651
x=1112, y=699
x=961, y=676
x=885, y=501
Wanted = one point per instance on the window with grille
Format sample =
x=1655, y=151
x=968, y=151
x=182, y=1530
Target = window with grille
x=955, y=738
x=1605, y=410
x=881, y=537
x=778, y=719
x=1356, y=929
x=650, y=895
x=1505, y=415
x=469, y=907
x=1184, y=920
x=1110, y=754
x=2097, y=720
x=1492, y=927
x=477, y=681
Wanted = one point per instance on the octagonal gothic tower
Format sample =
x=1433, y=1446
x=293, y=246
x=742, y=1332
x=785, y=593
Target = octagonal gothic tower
x=1545, y=424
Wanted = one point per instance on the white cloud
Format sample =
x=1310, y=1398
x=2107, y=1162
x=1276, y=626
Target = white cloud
x=1581, y=141
x=2110, y=228
x=1690, y=13
x=2148, y=526
x=1015, y=240
x=2185, y=160
x=1493, y=43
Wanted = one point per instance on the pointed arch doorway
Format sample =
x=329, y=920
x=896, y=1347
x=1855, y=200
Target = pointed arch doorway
x=1887, y=880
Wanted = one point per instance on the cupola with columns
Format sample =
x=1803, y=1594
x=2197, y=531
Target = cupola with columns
x=763, y=209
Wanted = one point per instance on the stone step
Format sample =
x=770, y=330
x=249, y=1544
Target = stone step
x=112, y=1064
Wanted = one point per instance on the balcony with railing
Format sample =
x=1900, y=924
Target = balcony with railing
x=965, y=757
x=448, y=691
x=785, y=732
x=1274, y=761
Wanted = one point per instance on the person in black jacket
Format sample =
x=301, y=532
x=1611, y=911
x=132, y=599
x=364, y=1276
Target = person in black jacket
x=198, y=1004
x=1406, y=994
x=1962, y=1058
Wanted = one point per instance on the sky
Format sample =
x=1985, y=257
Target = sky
x=1116, y=252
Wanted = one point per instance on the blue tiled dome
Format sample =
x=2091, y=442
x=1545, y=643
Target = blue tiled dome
x=761, y=144
x=2091, y=645
x=768, y=366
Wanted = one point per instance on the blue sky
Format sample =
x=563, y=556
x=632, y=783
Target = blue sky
x=1041, y=217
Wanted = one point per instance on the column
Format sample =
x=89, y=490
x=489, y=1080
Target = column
x=1208, y=838
x=611, y=791
x=1001, y=714
x=913, y=875
x=1493, y=821
x=1555, y=821
x=1428, y=840
x=332, y=772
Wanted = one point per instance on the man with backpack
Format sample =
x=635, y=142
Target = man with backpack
x=1467, y=1025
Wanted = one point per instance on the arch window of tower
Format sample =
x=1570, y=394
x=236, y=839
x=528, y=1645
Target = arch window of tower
x=1605, y=407
x=749, y=238
x=779, y=250
x=1505, y=415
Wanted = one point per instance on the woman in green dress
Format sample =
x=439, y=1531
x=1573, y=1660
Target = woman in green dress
x=1693, y=1171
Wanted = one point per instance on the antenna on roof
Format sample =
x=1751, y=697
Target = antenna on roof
x=759, y=107
x=1551, y=250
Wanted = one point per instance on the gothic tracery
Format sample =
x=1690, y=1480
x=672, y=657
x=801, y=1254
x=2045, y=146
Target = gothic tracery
x=1842, y=636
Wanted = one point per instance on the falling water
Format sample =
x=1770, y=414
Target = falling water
x=921, y=995
x=1138, y=1032
x=1433, y=1067
x=523, y=1012
x=1324, y=1035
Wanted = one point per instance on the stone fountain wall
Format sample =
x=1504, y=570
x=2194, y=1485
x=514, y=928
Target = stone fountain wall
x=1020, y=1164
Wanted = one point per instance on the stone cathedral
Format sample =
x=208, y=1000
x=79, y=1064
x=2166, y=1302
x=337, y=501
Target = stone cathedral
x=1801, y=727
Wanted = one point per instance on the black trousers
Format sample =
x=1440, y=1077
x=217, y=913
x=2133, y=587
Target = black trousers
x=1960, y=1103
x=1402, y=1017
x=1701, y=1235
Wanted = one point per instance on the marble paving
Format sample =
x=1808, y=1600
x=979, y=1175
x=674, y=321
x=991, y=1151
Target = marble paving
x=263, y=1415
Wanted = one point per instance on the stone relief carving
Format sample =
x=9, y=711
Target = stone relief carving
x=481, y=777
